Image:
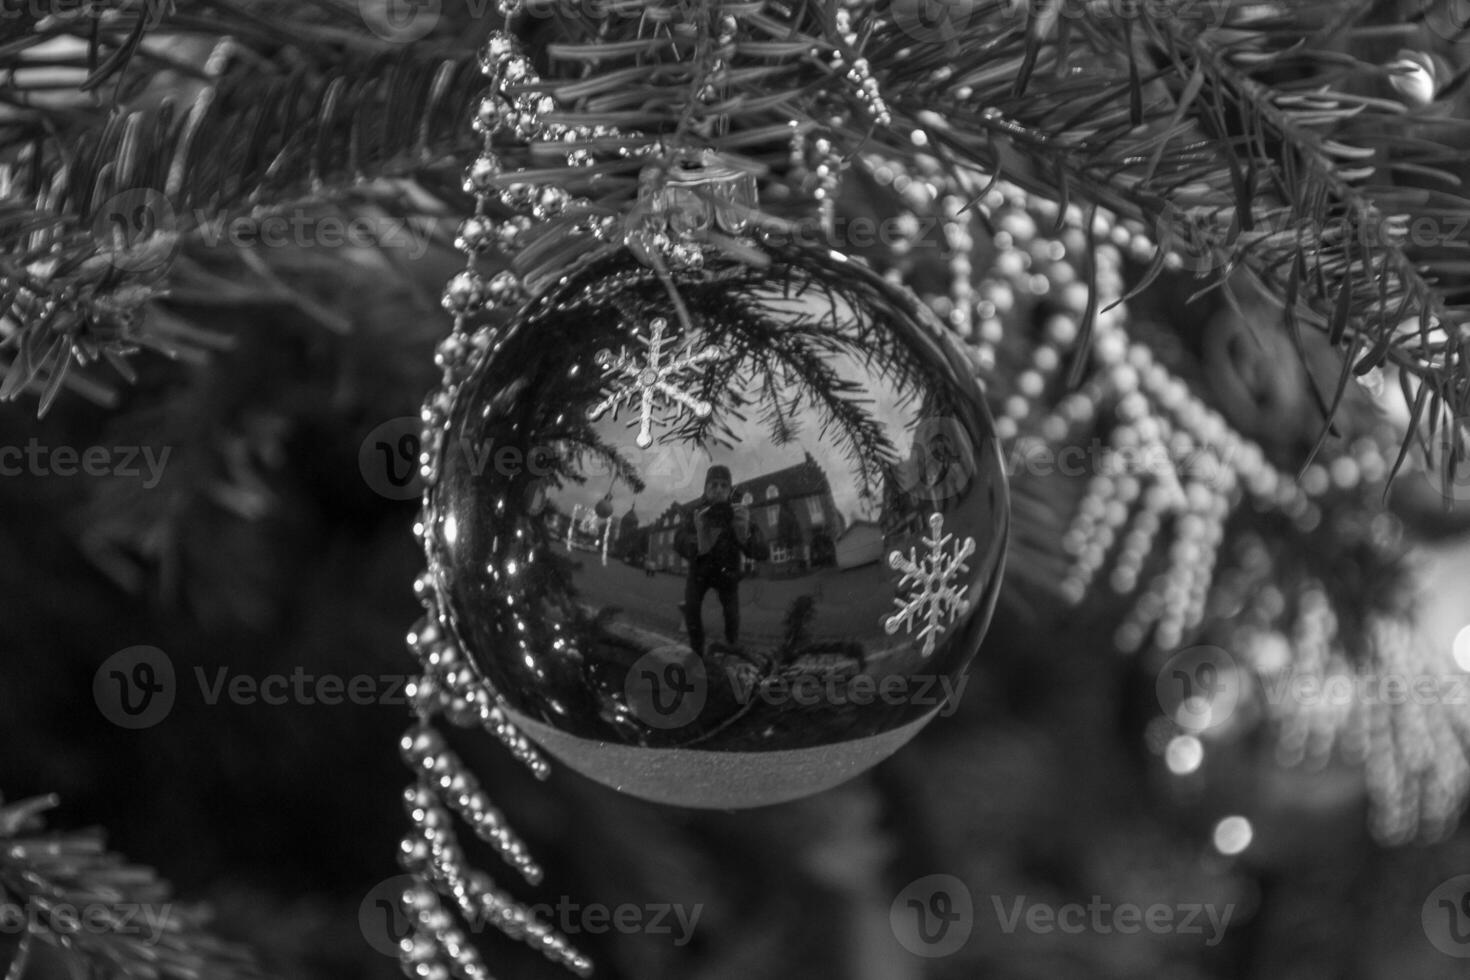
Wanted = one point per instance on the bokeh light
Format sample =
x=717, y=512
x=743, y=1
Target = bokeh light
x=1462, y=649
x=1233, y=835
x=1184, y=754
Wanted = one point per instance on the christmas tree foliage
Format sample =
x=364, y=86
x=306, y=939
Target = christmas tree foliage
x=1205, y=260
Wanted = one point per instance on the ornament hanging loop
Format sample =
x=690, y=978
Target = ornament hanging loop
x=701, y=201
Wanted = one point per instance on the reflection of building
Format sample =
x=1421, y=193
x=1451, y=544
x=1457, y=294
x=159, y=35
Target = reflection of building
x=793, y=508
x=630, y=542
x=860, y=544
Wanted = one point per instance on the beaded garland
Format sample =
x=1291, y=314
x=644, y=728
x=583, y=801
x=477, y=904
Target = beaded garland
x=435, y=947
x=1413, y=759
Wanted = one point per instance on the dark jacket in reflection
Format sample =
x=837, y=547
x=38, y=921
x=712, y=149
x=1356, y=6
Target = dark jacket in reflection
x=719, y=568
x=723, y=562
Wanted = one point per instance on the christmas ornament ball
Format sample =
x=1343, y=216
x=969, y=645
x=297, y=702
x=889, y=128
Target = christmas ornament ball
x=723, y=537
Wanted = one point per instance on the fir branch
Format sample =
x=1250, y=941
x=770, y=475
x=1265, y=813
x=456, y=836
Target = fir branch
x=75, y=270
x=109, y=50
x=105, y=917
x=1251, y=143
x=1237, y=137
x=1380, y=279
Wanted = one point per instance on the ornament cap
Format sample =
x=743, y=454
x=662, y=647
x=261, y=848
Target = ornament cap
x=681, y=203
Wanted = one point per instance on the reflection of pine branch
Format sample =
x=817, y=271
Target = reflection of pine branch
x=722, y=386
x=585, y=442
x=570, y=434
x=789, y=353
x=845, y=411
x=779, y=414
x=869, y=312
x=77, y=270
x=826, y=336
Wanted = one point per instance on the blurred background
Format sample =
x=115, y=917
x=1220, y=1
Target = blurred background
x=266, y=544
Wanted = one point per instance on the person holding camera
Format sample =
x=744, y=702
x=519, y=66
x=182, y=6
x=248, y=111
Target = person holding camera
x=715, y=539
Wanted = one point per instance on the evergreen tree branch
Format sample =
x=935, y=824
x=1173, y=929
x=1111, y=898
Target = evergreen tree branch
x=1252, y=142
x=114, y=210
x=1253, y=145
x=105, y=917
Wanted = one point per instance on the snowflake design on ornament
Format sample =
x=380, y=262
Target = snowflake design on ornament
x=631, y=379
x=940, y=596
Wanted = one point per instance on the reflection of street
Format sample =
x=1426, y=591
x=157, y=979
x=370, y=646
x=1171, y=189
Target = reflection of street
x=840, y=610
x=669, y=697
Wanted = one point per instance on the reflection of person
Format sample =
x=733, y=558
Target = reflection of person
x=715, y=539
